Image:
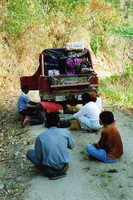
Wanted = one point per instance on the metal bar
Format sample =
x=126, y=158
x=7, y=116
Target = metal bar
x=42, y=64
x=69, y=85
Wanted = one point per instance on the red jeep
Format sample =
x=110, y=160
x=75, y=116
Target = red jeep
x=63, y=76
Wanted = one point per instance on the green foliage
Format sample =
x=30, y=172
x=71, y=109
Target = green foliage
x=62, y=18
x=22, y=14
x=115, y=3
x=3, y=173
x=65, y=6
x=12, y=184
x=128, y=71
x=118, y=88
x=125, y=31
x=104, y=18
x=96, y=43
x=123, y=195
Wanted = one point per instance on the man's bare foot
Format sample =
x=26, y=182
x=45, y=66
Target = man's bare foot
x=27, y=117
x=26, y=121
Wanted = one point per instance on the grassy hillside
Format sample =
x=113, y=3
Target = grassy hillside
x=118, y=89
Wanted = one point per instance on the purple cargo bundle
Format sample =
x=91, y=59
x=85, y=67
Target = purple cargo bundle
x=71, y=64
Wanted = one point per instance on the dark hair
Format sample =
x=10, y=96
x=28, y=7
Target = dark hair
x=52, y=119
x=106, y=117
x=25, y=87
x=87, y=98
x=64, y=106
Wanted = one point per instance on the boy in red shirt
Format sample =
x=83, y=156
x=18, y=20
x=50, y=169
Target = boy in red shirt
x=51, y=107
x=109, y=148
x=42, y=108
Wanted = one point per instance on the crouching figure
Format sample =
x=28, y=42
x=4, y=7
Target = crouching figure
x=50, y=154
x=109, y=148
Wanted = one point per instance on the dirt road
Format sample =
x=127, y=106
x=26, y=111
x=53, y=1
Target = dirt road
x=88, y=179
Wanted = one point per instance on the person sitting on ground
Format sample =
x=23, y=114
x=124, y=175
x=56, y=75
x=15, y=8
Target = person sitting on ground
x=23, y=100
x=88, y=115
x=50, y=154
x=42, y=108
x=109, y=148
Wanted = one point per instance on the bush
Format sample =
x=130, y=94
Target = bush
x=118, y=88
x=21, y=14
x=104, y=19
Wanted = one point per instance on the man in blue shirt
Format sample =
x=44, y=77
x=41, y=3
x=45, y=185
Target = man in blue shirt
x=50, y=154
x=23, y=101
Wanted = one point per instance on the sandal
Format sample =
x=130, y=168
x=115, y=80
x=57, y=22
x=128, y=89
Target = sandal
x=57, y=177
x=89, y=131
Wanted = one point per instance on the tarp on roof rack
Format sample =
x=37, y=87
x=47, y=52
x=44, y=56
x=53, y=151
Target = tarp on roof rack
x=62, y=53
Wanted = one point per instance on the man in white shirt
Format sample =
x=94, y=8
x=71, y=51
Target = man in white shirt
x=88, y=115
